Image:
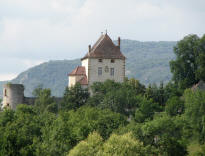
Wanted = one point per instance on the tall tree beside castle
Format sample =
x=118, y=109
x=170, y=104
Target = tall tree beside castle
x=189, y=66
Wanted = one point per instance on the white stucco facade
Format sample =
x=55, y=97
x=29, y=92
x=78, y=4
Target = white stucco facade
x=118, y=65
x=85, y=63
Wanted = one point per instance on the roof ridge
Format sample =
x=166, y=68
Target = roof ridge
x=98, y=42
x=79, y=70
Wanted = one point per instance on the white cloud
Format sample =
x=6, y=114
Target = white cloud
x=6, y=77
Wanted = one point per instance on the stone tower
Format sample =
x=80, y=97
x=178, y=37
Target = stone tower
x=103, y=61
x=13, y=94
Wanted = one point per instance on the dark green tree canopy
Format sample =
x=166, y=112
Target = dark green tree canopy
x=174, y=106
x=74, y=97
x=201, y=60
x=185, y=66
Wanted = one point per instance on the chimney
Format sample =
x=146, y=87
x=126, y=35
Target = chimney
x=89, y=48
x=119, y=42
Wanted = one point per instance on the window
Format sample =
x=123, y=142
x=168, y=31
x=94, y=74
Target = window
x=99, y=60
x=112, y=61
x=112, y=71
x=99, y=70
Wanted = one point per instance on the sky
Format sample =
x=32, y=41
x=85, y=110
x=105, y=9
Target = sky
x=35, y=31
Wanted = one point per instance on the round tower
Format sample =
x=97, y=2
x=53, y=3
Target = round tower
x=13, y=94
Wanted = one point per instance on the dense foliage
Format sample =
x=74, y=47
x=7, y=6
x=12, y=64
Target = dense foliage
x=189, y=66
x=119, y=145
x=119, y=118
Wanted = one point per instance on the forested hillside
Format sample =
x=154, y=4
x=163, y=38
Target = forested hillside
x=144, y=60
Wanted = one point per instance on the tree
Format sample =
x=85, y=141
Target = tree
x=115, y=96
x=45, y=102
x=136, y=85
x=37, y=91
x=164, y=134
x=57, y=137
x=157, y=94
x=88, y=147
x=88, y=119
x=171, y=90
x=195, y=111
x=201, y=60
x=121, y=145
x=146, y=109
x=18, y=129
x=184, y=68
x=104, y=87
x=116, y=145
x=71, y=127
x=115, y=101
x=174, y=106
x=74, y=97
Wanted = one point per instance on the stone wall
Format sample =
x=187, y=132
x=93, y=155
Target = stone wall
x=119, y=70
x=13, y=94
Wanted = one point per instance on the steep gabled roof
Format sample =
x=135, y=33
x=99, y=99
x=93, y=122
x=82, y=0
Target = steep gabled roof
x=80, y=70
x=104, y=48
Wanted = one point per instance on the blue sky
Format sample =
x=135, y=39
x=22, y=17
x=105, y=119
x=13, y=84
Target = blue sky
x=35, y=31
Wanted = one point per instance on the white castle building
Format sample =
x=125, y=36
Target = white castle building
x=103, y=61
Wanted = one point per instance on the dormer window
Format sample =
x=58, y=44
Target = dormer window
x=112, y=61
x=99, y=60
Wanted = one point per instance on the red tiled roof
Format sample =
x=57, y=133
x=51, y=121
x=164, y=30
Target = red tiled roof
x=84, y=80
x=104, y=48
x=78, y=71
